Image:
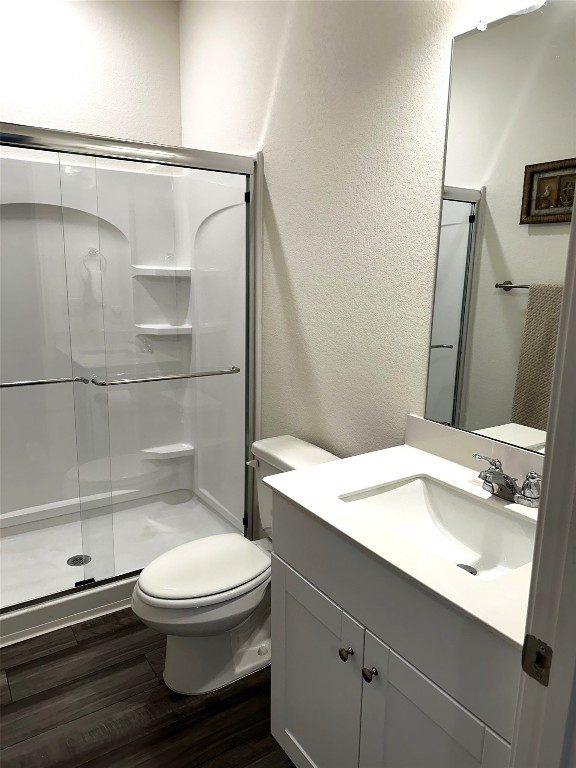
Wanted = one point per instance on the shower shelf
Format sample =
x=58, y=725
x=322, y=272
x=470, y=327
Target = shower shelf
x=163, y=329
x=141, y=270
x=174, y=451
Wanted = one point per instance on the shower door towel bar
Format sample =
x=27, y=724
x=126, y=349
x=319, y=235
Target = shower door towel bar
x=94, y=379
x=44, y=381
x=192, y=375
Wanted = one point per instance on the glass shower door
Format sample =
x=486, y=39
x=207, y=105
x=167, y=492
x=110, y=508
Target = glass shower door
x=86, y=266
x=127, y=283
x=41, y=502
x=174, y=302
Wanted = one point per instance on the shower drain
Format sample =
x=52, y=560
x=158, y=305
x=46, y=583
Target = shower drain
x=78, y=559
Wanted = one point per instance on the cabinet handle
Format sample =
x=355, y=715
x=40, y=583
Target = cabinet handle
x=368, y=674
x=345, y=652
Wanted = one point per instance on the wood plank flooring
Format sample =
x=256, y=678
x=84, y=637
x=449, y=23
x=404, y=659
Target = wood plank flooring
x=92, y=695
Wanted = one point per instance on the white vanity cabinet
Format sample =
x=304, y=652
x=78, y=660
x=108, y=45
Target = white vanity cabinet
x=326, y=714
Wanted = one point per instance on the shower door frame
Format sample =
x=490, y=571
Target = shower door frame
x=30, y=137
x=475, y=197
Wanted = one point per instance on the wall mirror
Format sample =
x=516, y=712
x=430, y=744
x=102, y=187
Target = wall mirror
x=512, y=105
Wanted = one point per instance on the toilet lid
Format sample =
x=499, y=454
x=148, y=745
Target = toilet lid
x=204, y=567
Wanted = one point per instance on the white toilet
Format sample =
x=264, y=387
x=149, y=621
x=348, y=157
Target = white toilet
x=212, y=596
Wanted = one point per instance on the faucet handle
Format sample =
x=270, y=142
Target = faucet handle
x=494, y=464
x=531, y=488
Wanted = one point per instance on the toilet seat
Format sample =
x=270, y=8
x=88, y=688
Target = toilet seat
x=207, y=571
x=198, y=602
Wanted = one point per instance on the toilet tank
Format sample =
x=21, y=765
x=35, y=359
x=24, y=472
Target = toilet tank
x=281, y=454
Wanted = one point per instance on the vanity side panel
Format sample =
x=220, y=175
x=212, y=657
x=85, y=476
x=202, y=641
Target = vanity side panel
x=474, y=665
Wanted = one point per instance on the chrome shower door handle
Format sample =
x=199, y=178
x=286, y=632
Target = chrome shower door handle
x=175, y=376
x=37, y=382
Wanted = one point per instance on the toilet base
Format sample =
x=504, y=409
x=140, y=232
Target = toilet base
x=196, y=665
x=192, y=680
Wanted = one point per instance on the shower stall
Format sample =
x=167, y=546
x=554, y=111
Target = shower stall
x=126, y=387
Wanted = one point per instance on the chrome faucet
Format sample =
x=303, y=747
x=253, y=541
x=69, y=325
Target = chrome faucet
x=500, y=484
x=530, y=492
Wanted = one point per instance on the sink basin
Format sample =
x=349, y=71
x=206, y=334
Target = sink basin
x=458, y=527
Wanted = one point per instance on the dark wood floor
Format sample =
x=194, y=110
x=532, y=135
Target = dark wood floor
x=93, y=695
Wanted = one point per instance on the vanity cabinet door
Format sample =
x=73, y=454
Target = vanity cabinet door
x=497, y=752
x=316, y=695
x=409, y=721
x=374, y=693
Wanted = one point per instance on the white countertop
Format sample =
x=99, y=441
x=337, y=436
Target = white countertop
x=517, y=434
x=500, y=603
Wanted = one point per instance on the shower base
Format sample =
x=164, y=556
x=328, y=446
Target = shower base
x=34, y=555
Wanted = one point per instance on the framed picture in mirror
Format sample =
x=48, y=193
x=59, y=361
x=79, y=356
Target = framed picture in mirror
x=548, y=195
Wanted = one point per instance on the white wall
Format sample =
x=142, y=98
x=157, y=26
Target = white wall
x=513, y=104
x=109, y=68
x=348, y=101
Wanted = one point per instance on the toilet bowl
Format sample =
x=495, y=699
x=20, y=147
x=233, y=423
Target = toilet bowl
x=211, y=597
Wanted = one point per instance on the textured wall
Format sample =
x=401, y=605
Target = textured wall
x=348, y=101
x=108, y=68
x=521, y=110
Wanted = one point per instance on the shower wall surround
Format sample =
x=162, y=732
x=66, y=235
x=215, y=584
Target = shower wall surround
x=111, y=270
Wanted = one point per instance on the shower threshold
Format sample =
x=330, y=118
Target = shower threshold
x=34, y=555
